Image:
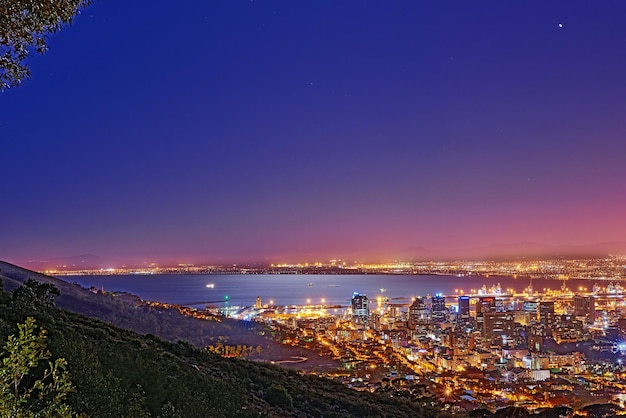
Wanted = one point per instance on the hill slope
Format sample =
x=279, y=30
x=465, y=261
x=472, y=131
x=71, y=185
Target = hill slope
x=129, y=312
x=120, y=373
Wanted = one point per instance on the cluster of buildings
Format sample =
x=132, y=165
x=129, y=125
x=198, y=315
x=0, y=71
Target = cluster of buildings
x=484, y=321
x=486, y=350
x=489, y=348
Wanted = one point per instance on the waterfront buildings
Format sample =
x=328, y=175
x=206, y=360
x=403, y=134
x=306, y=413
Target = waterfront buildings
x=536, y=351
x=535, y=348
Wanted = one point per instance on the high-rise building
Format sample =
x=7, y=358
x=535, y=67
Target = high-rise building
x=463, y=315
x=531, y=308
x=438, y=310
x=499, y=328
x=519, y=317
x=585, y=306
x=417, y=313
x=567, y=328
x=546, y=314
x=520, y=333
x=360, y=307
x=485, y=304
x=464, y=306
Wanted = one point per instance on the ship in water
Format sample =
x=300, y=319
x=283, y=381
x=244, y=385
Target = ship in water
x=492, y=291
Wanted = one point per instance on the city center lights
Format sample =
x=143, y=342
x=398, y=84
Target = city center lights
x=609, y=270
x=493, y=346
x=480, y=345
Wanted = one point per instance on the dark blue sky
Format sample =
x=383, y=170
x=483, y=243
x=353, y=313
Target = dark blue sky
x=306, y=130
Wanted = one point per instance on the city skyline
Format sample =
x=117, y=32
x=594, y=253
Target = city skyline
x=258, y=131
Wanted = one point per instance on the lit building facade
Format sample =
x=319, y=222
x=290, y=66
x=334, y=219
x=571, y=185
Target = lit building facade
x=360, y=307
x=546, y=314
x=585, y=307
x=418, y=314
x=439, y=312
x=498, y=328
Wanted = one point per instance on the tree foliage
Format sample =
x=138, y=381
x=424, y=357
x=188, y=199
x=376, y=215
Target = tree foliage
x=24, y=26
x=277, y=395
x=24, y=393
x=33, y=293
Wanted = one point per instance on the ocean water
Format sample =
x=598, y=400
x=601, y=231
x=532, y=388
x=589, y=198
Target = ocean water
x=294, y=289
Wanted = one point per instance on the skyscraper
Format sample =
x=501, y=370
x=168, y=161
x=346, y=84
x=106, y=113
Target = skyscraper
x=439, y=310
x=531, y=308
x=498, y=328
x=417, y=313
x=585, y=306
x=484, y=304
x=463, y=315
x=360, y=306
x=546, y=314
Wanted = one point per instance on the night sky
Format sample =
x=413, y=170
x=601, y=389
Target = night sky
x=210, y=131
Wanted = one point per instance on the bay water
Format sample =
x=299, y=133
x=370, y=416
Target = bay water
x=298, y=289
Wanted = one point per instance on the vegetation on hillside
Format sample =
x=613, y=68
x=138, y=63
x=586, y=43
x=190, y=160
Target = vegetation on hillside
x=118, y=373
x=47, y=390
x=129, y=312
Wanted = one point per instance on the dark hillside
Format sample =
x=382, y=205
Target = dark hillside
x=120, y=373
x=129, y=312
